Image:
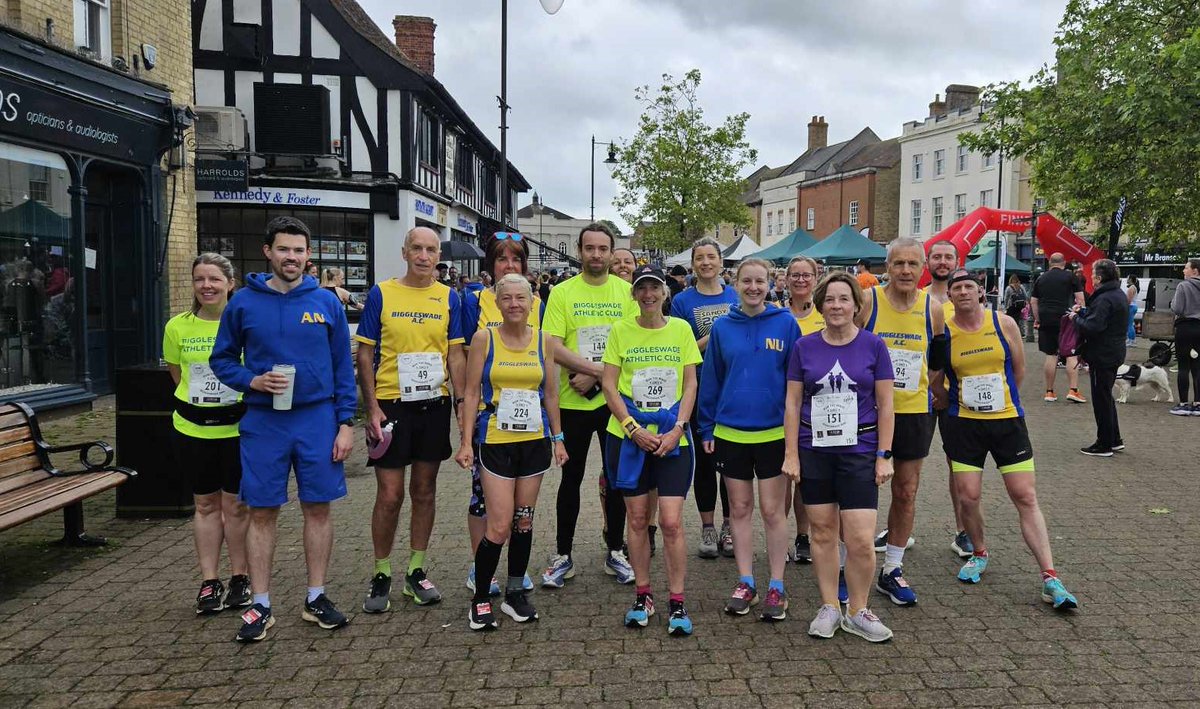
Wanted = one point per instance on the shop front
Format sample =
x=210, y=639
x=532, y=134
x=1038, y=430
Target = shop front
x=82, y=218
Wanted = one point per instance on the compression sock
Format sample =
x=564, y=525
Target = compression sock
x=416, y=560
x=487, y=558
x=383, y=566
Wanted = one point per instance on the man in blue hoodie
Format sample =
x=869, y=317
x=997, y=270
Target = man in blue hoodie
x=284, y=317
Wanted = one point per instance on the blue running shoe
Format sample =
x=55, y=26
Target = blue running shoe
x=843, y=592
x=1055, y=593
x=558, y=570
x=617, y=564
x=973, y=569
x=494, y=588
x=680, y=624
x=638, y=616
x=896, y=588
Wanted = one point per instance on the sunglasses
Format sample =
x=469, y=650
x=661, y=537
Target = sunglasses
x=502, y=235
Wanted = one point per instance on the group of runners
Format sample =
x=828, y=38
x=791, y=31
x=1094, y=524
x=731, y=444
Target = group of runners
x=821, y=403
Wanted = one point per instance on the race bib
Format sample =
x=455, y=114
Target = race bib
x=421, y=375
x=907, y=366
x=205, y=388
x=983, y=392
x=519, y=410
x=835, y=420
x=590, y=341
x=654, y=387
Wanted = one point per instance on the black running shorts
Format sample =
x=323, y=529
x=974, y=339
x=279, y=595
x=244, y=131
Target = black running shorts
x=421, y=432
x=747, y=461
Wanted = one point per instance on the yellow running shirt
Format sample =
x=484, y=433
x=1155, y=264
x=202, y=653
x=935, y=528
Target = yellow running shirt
x=582, y=316
x=907, y=335
x=651, y=363
x=187, y=343
x=510, y=407
x=813, y=322
x=412, y=330
x=980, y=375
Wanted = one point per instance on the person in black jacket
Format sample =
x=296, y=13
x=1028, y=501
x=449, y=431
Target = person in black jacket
x=1103, y=323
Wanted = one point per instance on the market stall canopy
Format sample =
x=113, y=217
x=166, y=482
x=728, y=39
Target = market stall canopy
x=986, y=261
x=740, y=249
x=455, y=250
x=34, y=220
x=683, y=258
x=846, y=246
x=787, y=247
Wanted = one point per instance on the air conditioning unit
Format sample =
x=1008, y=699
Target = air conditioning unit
x=220, y=128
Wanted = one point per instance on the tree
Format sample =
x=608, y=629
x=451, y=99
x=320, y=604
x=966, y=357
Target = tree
x=1117, y=116
x=679, y=176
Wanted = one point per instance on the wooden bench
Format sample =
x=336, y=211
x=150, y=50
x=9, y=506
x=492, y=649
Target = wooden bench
x=30, y=484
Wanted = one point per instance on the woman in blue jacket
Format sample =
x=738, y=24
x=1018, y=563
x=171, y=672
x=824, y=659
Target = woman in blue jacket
x=741, y=404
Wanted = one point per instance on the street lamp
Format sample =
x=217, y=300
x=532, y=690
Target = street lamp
x=611, y=162
x=551, y=7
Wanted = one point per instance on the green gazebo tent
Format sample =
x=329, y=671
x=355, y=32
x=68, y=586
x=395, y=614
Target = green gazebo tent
x=846, y=246
x=986, y=261
x=787, y=247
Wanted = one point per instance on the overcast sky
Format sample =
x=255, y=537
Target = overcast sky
x=859, y=63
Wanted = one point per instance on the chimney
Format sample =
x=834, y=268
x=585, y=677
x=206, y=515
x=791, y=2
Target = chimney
x=414, y=38
x=960, y=96
x=937, y=107
x=818, y=133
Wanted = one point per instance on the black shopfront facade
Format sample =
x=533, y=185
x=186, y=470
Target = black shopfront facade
x=83, y=218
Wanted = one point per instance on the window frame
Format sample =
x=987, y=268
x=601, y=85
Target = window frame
x=918, y=165
x=915, y=216
x=960, y=205
x=937, y=209
x=939, y=162
x=811, y=219
x=852, y=210
x=962, y=160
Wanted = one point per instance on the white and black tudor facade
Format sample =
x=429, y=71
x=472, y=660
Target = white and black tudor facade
x=342, y=128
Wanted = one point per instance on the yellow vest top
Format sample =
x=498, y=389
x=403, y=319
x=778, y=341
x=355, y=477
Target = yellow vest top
x=983, y=353
x=505, y=368
x=813, y=322
x=907, y=335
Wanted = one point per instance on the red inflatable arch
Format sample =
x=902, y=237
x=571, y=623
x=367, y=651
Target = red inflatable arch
x=1052, y=235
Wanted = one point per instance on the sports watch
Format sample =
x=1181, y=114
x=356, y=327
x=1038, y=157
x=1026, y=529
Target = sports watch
x=886, y=455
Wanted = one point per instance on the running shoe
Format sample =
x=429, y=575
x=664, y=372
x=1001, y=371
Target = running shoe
x=680, y=623
x=774, y=608
x=709, y=548
x=419, y=588
x=1056, y=594
x=802, y=551
x=881, y=542
x=1050, y=396
x=493, y=588
x=1195, y=409
x=617, y=564
x=744, y=595
x=827, y=622
x=210, y=600
x=638, y=615
x=843, y=592
x=973, y=569
x=517, y=606
x=558, y=570
x=322, y=612
x=726, y=540
x=867, y=626
x=896, y=588
x=1118, y=446
x=1074, y=395
x=652, y=532
x=256, y=620
x=379, y=598
x=1182, y=409
x=481, y=617
x=239, y=595
x=962, y=545
x=1097, y=451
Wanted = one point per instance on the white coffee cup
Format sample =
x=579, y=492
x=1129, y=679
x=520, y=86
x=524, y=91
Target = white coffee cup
x=283, y=402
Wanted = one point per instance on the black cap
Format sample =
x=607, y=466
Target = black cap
x=443, y=267
x=678, y=270
x=649, y=271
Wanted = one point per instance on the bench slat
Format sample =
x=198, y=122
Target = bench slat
x=11, y=417
x=15, y=481
x=20, y=465
x=14, y=435
x=50, y=495
x=16, y=450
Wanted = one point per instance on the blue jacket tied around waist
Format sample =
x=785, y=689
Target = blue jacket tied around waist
x=633, y=458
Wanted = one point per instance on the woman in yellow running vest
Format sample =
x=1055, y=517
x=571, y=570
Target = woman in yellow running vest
x=515, y=437
x=801, y=279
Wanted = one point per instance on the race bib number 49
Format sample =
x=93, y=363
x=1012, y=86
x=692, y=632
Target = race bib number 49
x=421, y=375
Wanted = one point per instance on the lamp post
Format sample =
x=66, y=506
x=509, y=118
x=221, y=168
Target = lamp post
x=551, y=7
x=610, y=161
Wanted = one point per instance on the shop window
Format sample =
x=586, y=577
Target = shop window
x=37, y=295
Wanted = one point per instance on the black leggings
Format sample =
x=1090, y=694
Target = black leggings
x=1187, y=338
x=707, y=482
x=578, y=428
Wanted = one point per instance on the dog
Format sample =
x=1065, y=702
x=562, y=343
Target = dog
x=1147, y=375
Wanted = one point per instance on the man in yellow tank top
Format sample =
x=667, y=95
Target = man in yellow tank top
x=904, y=317
x=985, y=366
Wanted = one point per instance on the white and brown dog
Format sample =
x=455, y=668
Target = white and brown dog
x=1144, y=376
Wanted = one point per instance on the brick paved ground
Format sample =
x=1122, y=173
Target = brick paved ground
x=116, y=627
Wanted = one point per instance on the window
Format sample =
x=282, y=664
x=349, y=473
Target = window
x=939, y=163
x=779, y=224
x=791, y=220
x=916, y=167
x=916, y=216
x=428, y=140
x=960, y=206
x=770, y=223
x=937, y=215
x=989, y=160
x=962, y=159
x=93, y=29
x=39, y=184
x=854, y=212
x=1039, y=204
x=985, y=198
x=812, y=219
x=464, y=169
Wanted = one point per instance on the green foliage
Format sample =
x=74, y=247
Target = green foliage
x=611, y=225
x=678, y=175
x=1118, y=115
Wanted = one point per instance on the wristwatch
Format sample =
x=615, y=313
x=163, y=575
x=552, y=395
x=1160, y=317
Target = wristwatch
x=556, y=438
x=347, y=422
x=886, y=455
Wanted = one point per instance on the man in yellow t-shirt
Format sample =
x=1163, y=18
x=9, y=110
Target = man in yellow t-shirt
x=410, y=344
x=579, y=315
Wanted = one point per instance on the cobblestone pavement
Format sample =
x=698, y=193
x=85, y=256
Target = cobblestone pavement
x=115, y=627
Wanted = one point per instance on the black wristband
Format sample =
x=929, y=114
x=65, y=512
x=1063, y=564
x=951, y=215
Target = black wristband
x=346, y=422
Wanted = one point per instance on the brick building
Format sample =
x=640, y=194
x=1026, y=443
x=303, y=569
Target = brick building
x=97, y=216
x=862, y=191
